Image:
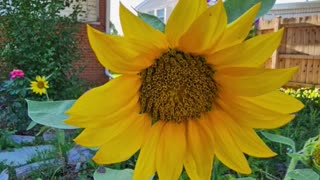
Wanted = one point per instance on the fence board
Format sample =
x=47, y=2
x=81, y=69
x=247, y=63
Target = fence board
x=300, y=47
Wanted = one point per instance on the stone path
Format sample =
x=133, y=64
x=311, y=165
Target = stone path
x=20, y=157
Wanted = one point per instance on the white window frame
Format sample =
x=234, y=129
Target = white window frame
x=164, y=13
x=154, y=12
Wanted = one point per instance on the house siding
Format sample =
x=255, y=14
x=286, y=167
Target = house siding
x=90, y=8
x=151, y=5
x=293, y=10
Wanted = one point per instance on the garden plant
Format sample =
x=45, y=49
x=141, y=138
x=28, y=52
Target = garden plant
x=192, y=101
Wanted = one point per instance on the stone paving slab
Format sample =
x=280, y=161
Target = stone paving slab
x=18, y=139
x=20, y=156
x=4, y=175
x=27, y=169
x=79, y=154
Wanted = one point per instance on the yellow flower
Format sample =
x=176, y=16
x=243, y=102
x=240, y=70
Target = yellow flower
x=40, y=86
x=188, y=95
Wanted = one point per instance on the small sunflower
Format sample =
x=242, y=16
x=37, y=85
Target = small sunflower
x=40, y=86
x=186, y=96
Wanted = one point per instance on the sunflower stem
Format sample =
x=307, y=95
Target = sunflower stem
x=292, y=166
x=48, y=99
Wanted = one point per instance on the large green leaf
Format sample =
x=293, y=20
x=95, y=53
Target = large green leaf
x=103, y=173
x=303, y=174
x=153, y=21
x=235, y=8
x=280, y=139
x=50, y=113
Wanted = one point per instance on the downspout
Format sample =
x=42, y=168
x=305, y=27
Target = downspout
x=110, y=76
x=107, y=16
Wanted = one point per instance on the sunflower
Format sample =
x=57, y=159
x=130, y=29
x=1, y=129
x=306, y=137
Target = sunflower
x=40, y=85
x=186, y=96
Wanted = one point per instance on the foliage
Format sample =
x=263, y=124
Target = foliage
x=38, y=40
x=52, y=113
x=307, y=119
x=152, y=20
x=236, y=8
x=5, y=141
x=107, y=173
x=305, y=126
x=13, y=107
x=306, y=95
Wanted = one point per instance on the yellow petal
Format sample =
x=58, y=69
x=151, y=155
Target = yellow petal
x=200, y=153
x=107, y=99
x=226, y=149
x=205, y=30
x=122, y=55
x=252, y=115
x=185, y=12
x=107, y=120
x=171, y=151
x=38, y=78
x=238, y=30
x=277, y=101
x=252, y=81
x=246, y=138
x=146, y=167
x=123, y=146
x=252, y=53
x=133, y=27
x=96, y=137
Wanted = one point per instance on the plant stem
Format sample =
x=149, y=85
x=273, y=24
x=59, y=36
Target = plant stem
x=292, y=166
x=48, y=99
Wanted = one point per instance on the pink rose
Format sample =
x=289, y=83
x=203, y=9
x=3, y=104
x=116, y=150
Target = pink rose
x=16, y=73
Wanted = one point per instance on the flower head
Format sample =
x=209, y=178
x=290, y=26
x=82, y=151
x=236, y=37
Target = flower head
x=186, y=96
x=16, y=73
x=40, y=85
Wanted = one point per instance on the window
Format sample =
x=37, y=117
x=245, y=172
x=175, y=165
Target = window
x=161, y=14
x=151, y=12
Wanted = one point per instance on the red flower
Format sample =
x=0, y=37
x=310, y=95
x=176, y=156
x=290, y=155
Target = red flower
x=16, y=73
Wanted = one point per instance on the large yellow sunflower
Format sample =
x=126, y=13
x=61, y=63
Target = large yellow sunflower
x=188, y=95
x=40, y=85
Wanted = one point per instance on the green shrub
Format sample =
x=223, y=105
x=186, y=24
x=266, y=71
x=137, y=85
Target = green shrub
x=38, y=40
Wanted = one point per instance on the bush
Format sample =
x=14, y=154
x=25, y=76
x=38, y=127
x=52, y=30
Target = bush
x=41, y=42
x=13, y=107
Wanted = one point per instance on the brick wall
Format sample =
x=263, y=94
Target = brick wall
x=93, y=72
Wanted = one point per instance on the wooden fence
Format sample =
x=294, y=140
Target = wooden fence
x=300, y=47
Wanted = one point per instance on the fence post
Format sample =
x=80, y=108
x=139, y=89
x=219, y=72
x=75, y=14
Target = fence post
x=275, y=55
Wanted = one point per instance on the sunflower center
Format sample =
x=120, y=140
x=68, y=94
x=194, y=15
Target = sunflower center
x=177, y=87
x=40, y=85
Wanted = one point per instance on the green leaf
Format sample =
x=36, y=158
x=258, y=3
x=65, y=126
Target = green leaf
x=280, y=139
x=152, y=20
x=103, y=173
x=235, y=8
x=50, y=113
x=31, y=125
x=303, y=174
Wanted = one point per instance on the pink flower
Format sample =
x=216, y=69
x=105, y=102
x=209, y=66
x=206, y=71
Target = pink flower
x=16, y=73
